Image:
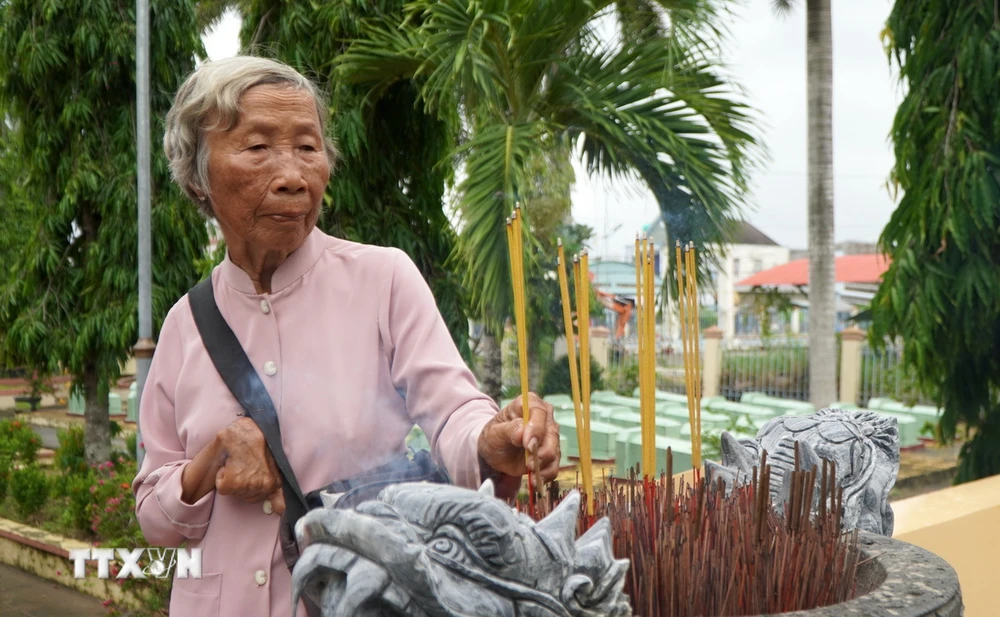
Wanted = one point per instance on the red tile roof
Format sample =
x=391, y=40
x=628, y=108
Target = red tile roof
x=849, y=269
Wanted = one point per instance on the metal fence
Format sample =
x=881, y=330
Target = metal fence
x=777, y=367
x=623, y=366
x=884, y=376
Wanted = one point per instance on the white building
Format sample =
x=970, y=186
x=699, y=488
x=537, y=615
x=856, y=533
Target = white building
x=750, y=251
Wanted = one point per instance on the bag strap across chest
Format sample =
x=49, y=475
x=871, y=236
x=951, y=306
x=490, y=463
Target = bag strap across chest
x=245, y=384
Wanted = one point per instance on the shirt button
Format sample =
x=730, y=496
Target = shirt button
x=270, y=368
x=265, y=307
x=268, y=508
x=260, y=577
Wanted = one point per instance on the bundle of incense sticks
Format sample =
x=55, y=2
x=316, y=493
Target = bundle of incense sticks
x=687, y=305
x=646, y=321
x=516, y=250
x=581, y=403
x=699, y=550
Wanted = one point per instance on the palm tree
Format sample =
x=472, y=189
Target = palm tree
x=822, y=298
x=528, y=75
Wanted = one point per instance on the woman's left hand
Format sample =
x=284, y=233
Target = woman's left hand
x=505, y=438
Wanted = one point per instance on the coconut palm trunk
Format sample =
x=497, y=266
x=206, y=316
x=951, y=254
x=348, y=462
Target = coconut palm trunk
x=492, y=366
x=822, y=327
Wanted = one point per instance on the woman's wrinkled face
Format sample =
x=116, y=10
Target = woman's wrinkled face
x=268, y=173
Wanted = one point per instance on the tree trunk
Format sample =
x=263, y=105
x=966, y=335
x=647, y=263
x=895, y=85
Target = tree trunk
x=492, y=364
x=536, y=368
x=822, y=331
x=97, y=427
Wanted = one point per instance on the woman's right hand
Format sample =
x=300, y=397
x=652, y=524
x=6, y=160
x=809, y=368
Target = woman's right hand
x=236, y=463
x=249, y=470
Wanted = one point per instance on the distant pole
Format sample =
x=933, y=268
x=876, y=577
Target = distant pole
x=144, y=347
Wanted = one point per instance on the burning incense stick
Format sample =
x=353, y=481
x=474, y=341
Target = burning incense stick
x=514, y=239
x=687, y=308
x=646, y=384
x=695, y=338
x=640, y=328
x=682, y=318
x=649, y=346
x=574, y=378
x=583, y=318
x=581, y=411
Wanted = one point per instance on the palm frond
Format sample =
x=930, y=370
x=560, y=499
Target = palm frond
x=493, y=158
x=676, y=128
x=782, y=7
x=523, y=71
x=383, y=56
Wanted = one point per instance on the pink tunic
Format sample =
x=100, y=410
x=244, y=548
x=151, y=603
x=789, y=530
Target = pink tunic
x=353, y=352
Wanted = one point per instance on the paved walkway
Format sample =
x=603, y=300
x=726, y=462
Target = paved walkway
x=26, y=595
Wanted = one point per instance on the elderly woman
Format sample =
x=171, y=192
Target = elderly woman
x=346, y=337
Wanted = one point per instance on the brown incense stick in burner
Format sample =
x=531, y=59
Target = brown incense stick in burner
x=696, y=551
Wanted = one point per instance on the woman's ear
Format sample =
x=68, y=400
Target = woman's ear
x=198, y=193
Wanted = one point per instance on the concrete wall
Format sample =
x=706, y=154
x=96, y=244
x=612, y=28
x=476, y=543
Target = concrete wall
x=46, y=555
x=961, y=524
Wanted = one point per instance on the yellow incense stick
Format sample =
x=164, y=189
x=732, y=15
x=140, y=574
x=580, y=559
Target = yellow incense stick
x=583, y=437
x=522, y=326
x=583, y=309
x=584, y=349
x=517, y=276
x=682, y=316
x=640, y=323
x=573, y=374
x=647, y=367
x=640, y=330
x=696, y=348
x=650, y=316
x=692, y=343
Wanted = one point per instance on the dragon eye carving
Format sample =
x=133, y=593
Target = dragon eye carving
x=447, y=547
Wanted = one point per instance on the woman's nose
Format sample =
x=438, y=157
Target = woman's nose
x=289, y=178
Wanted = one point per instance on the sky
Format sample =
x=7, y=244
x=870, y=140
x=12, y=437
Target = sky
x=766, y=56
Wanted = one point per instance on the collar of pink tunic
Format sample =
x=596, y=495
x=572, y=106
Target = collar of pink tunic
x=300, y=261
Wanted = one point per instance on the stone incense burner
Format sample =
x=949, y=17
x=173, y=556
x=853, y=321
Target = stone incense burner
x=422, y=550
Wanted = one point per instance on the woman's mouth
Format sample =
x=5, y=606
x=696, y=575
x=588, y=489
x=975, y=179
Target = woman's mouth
x=286, y=217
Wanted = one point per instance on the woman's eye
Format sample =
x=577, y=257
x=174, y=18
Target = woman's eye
x=258, y=147
x=308, y=148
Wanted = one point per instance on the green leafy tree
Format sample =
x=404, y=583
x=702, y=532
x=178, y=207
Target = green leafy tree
x=527, y=75
x=18, y=213
x=67, y=82
x=941, y=294
x=390, y=182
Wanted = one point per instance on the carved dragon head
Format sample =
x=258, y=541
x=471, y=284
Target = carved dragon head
x=863, y=444
x=436, y=550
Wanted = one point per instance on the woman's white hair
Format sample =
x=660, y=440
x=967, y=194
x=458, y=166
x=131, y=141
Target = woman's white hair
x=209, y=99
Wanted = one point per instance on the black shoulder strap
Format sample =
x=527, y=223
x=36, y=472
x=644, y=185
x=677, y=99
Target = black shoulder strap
x=243, y=381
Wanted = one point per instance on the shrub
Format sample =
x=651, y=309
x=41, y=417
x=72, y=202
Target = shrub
x=110, y=514
x=69, y=457
x=18, y=442
x=30, y=489
x=5, y=468
x=111, y=508
x=76, y=487
x=557, y=380
x=131, y=443
x=624, y=379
